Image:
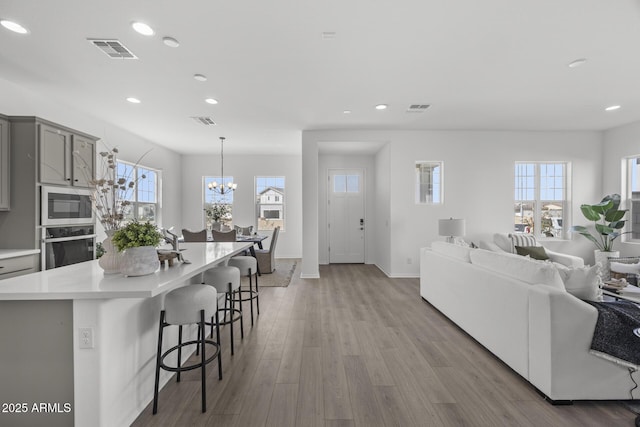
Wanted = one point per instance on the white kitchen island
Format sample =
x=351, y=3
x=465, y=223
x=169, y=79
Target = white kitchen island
x=78, y=346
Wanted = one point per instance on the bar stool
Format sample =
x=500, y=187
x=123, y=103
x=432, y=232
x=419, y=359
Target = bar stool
x=188, y=305
x=226, y=280
x=248, y=267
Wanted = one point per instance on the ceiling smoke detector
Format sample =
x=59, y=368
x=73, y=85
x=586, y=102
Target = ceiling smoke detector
x=112, y=48
x=417, y=108
x=204, y=120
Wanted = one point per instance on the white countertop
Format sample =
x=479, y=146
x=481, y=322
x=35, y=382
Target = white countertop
x=12, y=253
x=87, y=280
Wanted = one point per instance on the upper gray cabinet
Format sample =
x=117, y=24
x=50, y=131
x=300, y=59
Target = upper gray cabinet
x=66, y=158
x=4, y=164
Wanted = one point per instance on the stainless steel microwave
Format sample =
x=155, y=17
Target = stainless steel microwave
x=66, y=206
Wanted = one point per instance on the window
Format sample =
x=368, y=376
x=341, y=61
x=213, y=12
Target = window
x=540, y=198
x=633, y=195
x=428, y=182
x=270, y=202
x=144, y=195
x=217, y=207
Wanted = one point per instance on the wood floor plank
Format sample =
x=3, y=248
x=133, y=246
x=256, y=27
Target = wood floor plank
x=366, y=411
x=356, y=348
x=310, y=409
x=282, y=411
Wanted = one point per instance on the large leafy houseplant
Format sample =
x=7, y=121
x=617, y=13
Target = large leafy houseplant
x=608, y=221
x=136, y=234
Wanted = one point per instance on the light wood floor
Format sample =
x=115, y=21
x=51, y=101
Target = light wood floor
x=356, y=348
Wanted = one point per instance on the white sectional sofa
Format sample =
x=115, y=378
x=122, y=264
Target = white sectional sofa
x=518, y=309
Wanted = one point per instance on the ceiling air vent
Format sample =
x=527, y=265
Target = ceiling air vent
x=417, y=108
x=207, y=121
x=112, y=48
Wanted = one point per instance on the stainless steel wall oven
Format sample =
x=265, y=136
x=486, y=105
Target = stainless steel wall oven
x=67, y=245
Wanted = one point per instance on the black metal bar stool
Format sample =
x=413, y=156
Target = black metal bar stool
x=189, y=305
x=226, y=280
x=248, y=267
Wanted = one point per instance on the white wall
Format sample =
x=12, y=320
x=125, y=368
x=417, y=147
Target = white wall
x=244, y=169
x=478, y=182
x=621, y=142
x=18, y=101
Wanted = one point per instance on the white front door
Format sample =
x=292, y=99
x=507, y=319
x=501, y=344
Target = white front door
x=346, y=216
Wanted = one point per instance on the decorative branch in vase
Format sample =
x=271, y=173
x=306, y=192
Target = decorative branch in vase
x=111, y=194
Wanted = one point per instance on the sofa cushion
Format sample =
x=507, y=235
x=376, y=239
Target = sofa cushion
x=535, y=252
x=582, y=282
x=508, y=242
x=518, y=267
x=489, y=246
x=454, y=251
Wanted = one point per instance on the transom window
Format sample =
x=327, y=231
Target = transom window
x=144, y=194
x=540, y=198
x=270, y=202
x=428, y=178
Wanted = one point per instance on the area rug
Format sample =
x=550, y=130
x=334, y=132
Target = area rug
x=281, y=276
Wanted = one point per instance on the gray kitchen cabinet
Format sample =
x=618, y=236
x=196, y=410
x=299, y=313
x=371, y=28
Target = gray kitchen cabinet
x=17, y=266
x=41, y=154
x=66, y=157
x=5, y=164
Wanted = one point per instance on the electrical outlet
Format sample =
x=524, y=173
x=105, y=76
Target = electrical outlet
x=85, y=337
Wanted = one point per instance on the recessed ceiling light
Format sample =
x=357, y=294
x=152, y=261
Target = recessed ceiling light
x=211, y=101
x=200, y=77
x=612, y=108
x=328, y=35
x=577, y=62
x=346, y=112
x=381, y=107
x=133, y=100
x=170, y=41
x=143, y=28
x=14, y=26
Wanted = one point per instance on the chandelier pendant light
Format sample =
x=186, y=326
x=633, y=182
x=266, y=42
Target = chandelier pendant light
x=221, y=188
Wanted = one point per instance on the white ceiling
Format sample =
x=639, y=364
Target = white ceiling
x=491, y=64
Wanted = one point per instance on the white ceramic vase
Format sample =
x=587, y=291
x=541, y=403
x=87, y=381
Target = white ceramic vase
x=110, y=260
x=139, y=261
x=602, y=258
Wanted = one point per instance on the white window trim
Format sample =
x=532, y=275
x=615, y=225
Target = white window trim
x=627, y=201
x=415, y=183
x=158, y=202
x=567, y=208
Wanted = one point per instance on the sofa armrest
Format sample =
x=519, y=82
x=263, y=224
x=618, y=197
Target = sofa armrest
x=560, y=365
x=565, y=259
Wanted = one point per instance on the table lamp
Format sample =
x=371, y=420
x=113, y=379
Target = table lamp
x=452, y=228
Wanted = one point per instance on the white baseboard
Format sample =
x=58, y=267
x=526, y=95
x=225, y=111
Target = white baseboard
x=309, y=276
x=397, y=276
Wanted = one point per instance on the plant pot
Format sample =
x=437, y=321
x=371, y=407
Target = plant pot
x=111, y=259
x=602, y=258
x=139, y=261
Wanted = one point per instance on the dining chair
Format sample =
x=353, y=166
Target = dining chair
x=223, y=236
x=266, y=257
x=194, y=236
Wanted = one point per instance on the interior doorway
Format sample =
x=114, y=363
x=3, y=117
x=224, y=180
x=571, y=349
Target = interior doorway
x=346, y=216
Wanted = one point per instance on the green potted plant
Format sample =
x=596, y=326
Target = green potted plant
x=608, y=222
x=216, y=213
x=138, y=243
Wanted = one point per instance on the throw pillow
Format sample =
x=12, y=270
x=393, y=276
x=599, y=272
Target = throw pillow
x=519, y=239
x=503, y=241
x=535, y=252
x=490, y=246
x=582, y=282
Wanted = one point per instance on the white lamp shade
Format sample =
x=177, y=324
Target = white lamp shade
x=451, y=227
